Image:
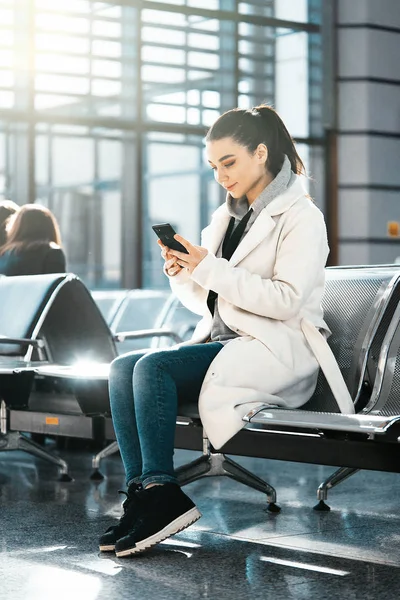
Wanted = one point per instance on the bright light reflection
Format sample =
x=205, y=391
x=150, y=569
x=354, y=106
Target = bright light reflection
x=6, y=17
x=62, y=23
x=90, y=369
x=65, y=5
x=187, y=554
x=103, y=565
x=48, y=583
x=79, y=369
x=297, y=565
x=181, y=543
x=40, y=550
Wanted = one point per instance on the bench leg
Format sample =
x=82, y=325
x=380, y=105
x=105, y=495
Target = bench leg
x=13, y=440
x=333, y=480
x=214, y=464
x=107, y=451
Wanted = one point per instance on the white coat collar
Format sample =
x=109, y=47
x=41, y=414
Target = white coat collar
x=213, y=234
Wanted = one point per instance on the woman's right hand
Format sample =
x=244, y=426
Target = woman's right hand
x=171, y=266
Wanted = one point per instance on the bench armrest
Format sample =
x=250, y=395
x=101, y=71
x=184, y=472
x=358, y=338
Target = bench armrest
x=7, y=340
x=121, y=336
x=264, y=416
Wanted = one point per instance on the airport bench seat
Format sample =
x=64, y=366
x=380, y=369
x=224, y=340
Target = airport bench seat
x=52, y=320
x=359, y=304
x=361, y=310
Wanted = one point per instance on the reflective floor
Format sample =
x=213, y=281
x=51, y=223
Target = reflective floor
x=49, y=530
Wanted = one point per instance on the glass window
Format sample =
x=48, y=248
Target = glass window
x=88, y=93
x=85, y=62
x=80, y=176
x=179, y=319
x=206, y=76
x=139, y=311
x=176, y=185
x=14, y=161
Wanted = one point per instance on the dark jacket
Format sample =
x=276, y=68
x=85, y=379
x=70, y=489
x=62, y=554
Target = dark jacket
x=37, y=259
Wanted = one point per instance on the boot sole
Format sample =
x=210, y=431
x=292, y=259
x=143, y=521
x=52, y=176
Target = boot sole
x=109, y=548
x=175, y=526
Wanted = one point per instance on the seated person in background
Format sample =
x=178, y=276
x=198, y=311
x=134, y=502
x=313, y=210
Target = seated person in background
x=7, y=208
x=33, y=245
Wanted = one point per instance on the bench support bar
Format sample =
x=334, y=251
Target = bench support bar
x=97, y=458
x=337, y=477
x=212, y=464
x=14, y=440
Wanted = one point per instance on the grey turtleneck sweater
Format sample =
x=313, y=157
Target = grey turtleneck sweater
x=220, y=332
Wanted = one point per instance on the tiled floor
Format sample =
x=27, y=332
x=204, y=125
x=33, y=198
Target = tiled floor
x=49, y=530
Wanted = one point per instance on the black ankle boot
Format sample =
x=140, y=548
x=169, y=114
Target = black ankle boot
x=164, y=511
x=131, y=510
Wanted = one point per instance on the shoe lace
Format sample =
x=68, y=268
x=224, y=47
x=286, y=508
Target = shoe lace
x=129, y=504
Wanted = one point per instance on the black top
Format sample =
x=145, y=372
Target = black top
x=230, y=243
x=38, y=259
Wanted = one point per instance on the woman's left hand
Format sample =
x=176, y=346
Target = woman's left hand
x=193, y=258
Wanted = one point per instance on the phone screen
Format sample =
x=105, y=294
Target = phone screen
x=166, y=233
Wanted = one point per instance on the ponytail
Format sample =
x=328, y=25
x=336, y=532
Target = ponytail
x=259, y=125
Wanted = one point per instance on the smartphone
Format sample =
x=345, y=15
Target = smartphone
x=166, y=233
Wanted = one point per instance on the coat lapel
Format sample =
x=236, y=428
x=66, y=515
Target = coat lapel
x=257, y=233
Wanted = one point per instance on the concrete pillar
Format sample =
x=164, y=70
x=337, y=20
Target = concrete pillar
x=368, y=72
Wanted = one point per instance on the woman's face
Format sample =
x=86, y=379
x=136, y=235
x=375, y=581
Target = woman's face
x=236, y=169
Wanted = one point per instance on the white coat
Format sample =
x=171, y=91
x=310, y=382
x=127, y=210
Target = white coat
x=270, y=293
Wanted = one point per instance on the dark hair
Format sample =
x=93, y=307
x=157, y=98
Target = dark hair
x=31, y=225
x=7, y=208
x=259, y=125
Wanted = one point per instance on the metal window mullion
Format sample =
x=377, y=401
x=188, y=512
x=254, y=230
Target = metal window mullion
x=95, y=217
x=237, y=57
x=76, y=15
x=78, y=34
x=224, y=15
x=7, y=142
x=228, y=64
x=186, y=47
x=31, y=103
x=84, y=55
x=50, y=178
x=78, y=76
x=132, y=195
x=314, y=54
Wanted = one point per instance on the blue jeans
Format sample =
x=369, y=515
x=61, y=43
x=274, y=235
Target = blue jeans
x=145, y=389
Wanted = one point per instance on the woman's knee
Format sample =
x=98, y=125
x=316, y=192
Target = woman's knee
x=122, y=367
x=150, y=367
x=146, y=364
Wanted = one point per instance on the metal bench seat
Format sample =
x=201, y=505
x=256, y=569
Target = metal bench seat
x=321, y=421
x=378, y=369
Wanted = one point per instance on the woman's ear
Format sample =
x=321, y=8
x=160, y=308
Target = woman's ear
x=262, y=153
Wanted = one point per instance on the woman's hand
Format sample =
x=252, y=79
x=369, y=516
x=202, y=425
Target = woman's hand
x=171, y=266
x=192, y=259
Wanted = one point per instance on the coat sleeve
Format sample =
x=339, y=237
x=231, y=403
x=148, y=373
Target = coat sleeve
x=300, y=260
x=54, y=261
